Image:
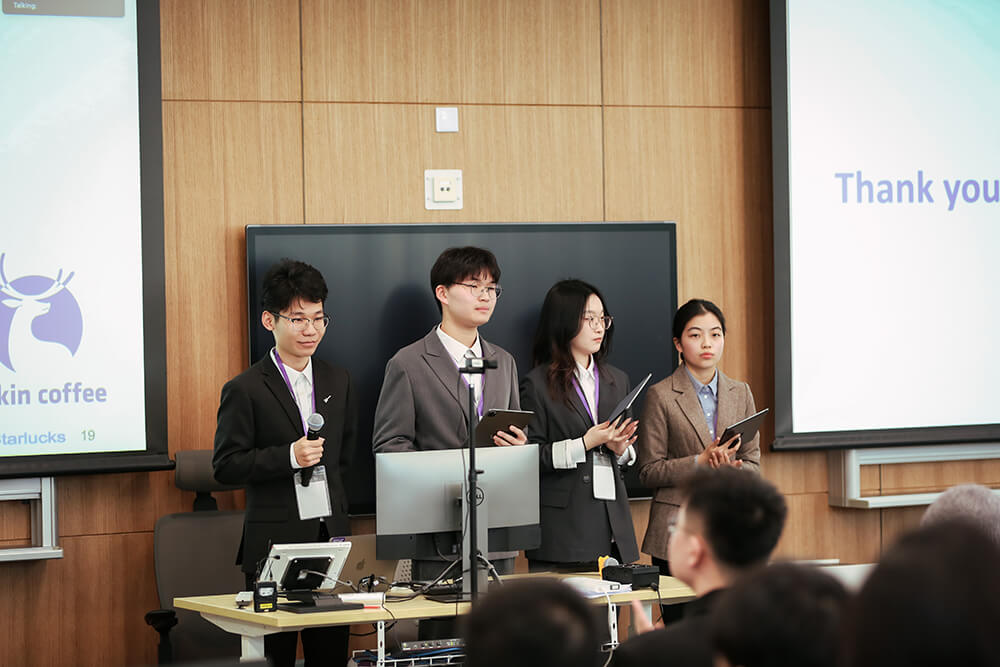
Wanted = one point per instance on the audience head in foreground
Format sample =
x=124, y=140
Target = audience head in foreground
x=970, y=502
x=537, y=623
x=728, y=524
x=796, y=614
x=933, y=599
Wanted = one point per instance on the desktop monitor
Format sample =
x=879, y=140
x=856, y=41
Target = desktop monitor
x=418, y=501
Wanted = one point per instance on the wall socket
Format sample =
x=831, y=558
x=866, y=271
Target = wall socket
x=443, y=189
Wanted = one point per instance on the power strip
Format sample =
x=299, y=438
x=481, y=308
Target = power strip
x=431, y=644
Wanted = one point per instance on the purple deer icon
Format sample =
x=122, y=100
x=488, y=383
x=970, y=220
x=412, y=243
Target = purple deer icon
x=23, y=346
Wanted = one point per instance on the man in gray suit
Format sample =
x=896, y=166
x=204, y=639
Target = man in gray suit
x=424, y=402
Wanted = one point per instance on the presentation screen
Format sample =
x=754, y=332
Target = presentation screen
x=887, y=221
x=381, y=300
x=82, y=364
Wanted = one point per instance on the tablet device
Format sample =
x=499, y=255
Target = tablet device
x=499, y=420
x=746, y=428
x=626, y=402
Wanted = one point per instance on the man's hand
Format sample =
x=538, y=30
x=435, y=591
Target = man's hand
x=308, y=452
x=514, y=436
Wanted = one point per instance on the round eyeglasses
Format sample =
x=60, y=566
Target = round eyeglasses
x=302, y=323
x=489, y=290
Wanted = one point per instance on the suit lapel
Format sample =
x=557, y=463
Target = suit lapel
x=276, y=385
x=441, y=364
x=688, y=401
x=610, y=395
x=495, y=387
x=729, y=412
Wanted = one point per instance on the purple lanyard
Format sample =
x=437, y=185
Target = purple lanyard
x=281, y=367
x=597, y=394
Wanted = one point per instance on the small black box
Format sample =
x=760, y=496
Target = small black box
x=640, y=576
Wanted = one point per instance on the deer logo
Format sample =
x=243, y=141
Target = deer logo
x=39, y=319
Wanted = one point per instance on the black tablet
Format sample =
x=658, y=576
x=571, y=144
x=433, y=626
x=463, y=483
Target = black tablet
x=745, y=428
x=627, y=402
x=500, y=420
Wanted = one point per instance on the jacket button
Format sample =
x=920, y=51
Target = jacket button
x=586, y=479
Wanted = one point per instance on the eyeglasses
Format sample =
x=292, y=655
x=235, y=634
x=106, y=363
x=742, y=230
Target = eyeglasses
x=301, y=323
x=489, y=290
x=594, y=321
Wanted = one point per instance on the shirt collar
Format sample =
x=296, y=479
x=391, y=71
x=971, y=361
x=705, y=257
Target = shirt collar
x=588, y=372
x=457, y=350
x=293, y=375
x=713, y=385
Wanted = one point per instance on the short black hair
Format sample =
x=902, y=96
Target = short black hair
x=693, y=309
x=457, y=264
x=537, y=623
x=289, y=280
x=933, y=599
x=796, y=614
x=741, y=514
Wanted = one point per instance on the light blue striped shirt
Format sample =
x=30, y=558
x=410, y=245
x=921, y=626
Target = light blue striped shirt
x=708, y=396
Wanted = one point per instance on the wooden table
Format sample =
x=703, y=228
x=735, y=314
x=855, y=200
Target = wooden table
x=252, y=627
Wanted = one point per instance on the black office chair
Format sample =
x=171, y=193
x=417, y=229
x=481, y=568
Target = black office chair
x=195, y=554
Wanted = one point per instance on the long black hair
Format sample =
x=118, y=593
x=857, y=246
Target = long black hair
x=559, y=322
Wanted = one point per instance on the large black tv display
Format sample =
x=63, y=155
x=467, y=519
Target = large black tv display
x=381, y=299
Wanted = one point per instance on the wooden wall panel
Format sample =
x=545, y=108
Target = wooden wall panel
x=689, y=165
x=898, y=520
x=226, y=165
x=230, y=49
x=816, y=530
x=15, y=521
x=84, y=609
x=457, y=51
x=365, y=163
x=682, y=53
x=927, y=477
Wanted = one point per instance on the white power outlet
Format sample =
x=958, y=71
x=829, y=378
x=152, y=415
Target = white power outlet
x=443, y=189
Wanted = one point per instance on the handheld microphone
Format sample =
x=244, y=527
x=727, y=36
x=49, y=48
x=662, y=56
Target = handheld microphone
x=315, y=425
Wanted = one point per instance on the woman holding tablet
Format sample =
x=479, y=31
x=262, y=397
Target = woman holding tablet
x=684, y=416
x=572, y=391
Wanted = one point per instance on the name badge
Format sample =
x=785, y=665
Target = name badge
x=313, y=500
x=604, y=477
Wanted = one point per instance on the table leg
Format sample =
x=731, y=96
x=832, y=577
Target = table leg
x=252, y=648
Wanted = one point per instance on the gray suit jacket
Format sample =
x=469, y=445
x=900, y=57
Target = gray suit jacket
x=424, y=402
x=672, y=432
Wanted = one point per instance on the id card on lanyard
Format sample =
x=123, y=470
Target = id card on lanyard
x=313, y=500
x=602, y=473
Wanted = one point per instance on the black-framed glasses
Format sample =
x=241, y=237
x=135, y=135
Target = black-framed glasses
x=301, y=323
x=492, y=291
x=593, y=321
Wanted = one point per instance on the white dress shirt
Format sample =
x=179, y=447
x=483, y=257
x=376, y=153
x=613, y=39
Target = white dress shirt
x=302, y=386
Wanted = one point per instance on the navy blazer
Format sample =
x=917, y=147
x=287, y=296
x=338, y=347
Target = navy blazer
x=257, y=422
x=576, y=527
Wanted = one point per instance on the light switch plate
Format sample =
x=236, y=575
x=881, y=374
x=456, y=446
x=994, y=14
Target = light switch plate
x=443, y=189
x=446, y=119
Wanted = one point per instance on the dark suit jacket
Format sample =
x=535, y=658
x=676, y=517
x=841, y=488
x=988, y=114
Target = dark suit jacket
x=576, y=527
x=682, y=643
x=257, y=422
x=672, y=432
x=424, y=404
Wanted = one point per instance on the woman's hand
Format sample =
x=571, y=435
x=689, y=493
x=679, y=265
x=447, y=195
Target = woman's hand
x=617, y=436
x=721, y=454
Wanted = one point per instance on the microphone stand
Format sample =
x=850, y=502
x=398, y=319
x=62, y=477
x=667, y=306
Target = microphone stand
x=474, y=366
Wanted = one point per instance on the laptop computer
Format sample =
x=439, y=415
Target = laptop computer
x=362, y=564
